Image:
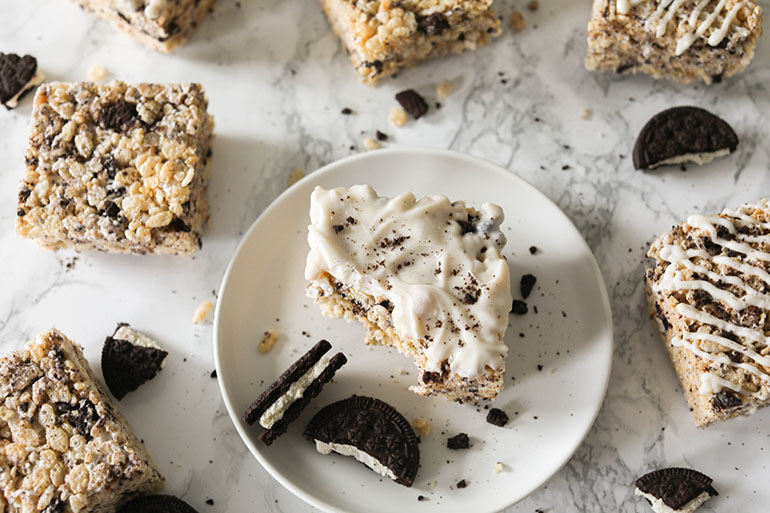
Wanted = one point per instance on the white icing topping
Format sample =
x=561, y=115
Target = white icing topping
x=658, y=506
x=749, y=342
x=297, y=389
x=691, y=28
x=448, y=289
x=155, y=8
x=349, y=450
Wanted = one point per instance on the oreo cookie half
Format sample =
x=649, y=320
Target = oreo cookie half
x=157, y=504
x=129, y=360
x=675, y=489
x=18, y=76
x=683, y=134
x=371, y=431
x=284, y=400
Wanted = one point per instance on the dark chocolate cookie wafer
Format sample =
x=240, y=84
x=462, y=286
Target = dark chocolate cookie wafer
x=412, y=102
x=683, y=134
x=293, y=411
x=281, y=385
x=675, y=486
x=157, y=504
x=16, y=75
x=129, y=359
x=374, y=428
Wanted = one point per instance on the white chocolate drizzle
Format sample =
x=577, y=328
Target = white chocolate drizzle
x=748, y=261
x=701, y=23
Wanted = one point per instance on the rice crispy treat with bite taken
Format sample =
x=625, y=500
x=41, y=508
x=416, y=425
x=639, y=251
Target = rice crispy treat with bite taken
x=709, y=292
x=683, y=40
x=118, y=168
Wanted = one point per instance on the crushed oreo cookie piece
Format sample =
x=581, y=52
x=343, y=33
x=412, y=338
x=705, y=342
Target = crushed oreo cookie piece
x=725, y=400
x=519, y=307
x=411, y=101
x=462, y=484
x=526, y=285
x=461, y=441
x=676, y=487
x=434, y=24
x=347, y=111
x=497, y=417
x=374, y=429
x=310, y=365
x=118, y=116
x=129, y=359
x=683, y=134
x=157, y=504
x=18, y=76
x=381, y=136
x=533, y=250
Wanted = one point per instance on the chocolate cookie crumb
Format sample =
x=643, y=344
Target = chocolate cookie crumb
x=533, y=250
x=526, y=285
x=347, y=112
x=462, y=484
x=381, y=136
x=461, y=441
x=497, y=417
x=411, y=101
x=519, y=307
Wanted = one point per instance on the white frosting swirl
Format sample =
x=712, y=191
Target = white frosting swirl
x=442, y=273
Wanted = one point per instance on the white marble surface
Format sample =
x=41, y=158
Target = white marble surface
x=277, y=80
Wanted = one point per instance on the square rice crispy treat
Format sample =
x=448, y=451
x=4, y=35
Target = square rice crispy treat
x=159, y=24
x=709, y=292
x=683, y=40
x=385, y=36
x=64, y=447
x=117, y=168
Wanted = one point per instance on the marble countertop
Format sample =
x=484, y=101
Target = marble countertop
x=277, y=80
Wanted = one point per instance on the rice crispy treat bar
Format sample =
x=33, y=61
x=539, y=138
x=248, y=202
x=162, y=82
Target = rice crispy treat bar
x=118, y=168
x=159, y=24
x=424, y=276
x=709, y=292
x=385, y=36
x=64, y=448
x=683, y=40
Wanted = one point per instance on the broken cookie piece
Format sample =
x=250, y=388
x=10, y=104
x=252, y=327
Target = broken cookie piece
x=129, y=360
x=157, y=504
x=18, y=76
x=284, y=400
x=371, y=431
x=675, y=490
x=683, y=134
x=58, y=422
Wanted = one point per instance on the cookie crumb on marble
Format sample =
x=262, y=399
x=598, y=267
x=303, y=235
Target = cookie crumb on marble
x=97, y=74
x=267, y=342
x=397, y=117
x=443, y=89
x=202, y=311
x=370, y=144
x=517, y=22
x=422, y=427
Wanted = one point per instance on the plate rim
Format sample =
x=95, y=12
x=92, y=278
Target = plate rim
x=330, y=168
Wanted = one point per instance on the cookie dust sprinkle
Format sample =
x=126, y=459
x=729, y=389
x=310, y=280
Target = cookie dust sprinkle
x=295, y=176
x=202, y=311
x=517, y=22
x=267, y=342
x=422, y=427
x=97, y=74
x=370, y=144
x=397, y=117
x=444, y=89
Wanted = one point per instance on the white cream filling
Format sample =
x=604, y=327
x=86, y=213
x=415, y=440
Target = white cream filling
x=658, y=506
x=297, y=389
x=349, y=450
x=696, y=158
x=35, y=81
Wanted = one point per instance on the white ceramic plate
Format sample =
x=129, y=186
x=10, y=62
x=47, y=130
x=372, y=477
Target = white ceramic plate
x=568, y=331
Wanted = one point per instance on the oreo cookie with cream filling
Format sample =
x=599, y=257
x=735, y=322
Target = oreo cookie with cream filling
x=285, y=399
x=683, y=134
x=157, y=504
x=371, y=431
x=129, y=360
x=675, y=490
x=18, y=76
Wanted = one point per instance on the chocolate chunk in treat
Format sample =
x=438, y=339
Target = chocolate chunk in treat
x=676, y=487
x=370, y=430
x=497, y=417
x=519, y=307
x=724, y=400
x=129, y=359
x=460, y=441
x=526, y=285
x=118, y=116
x=412, y=103
x=18, y=75
x=433, y=24
x=280, y=404
x=683, y=134
x=157, y=504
